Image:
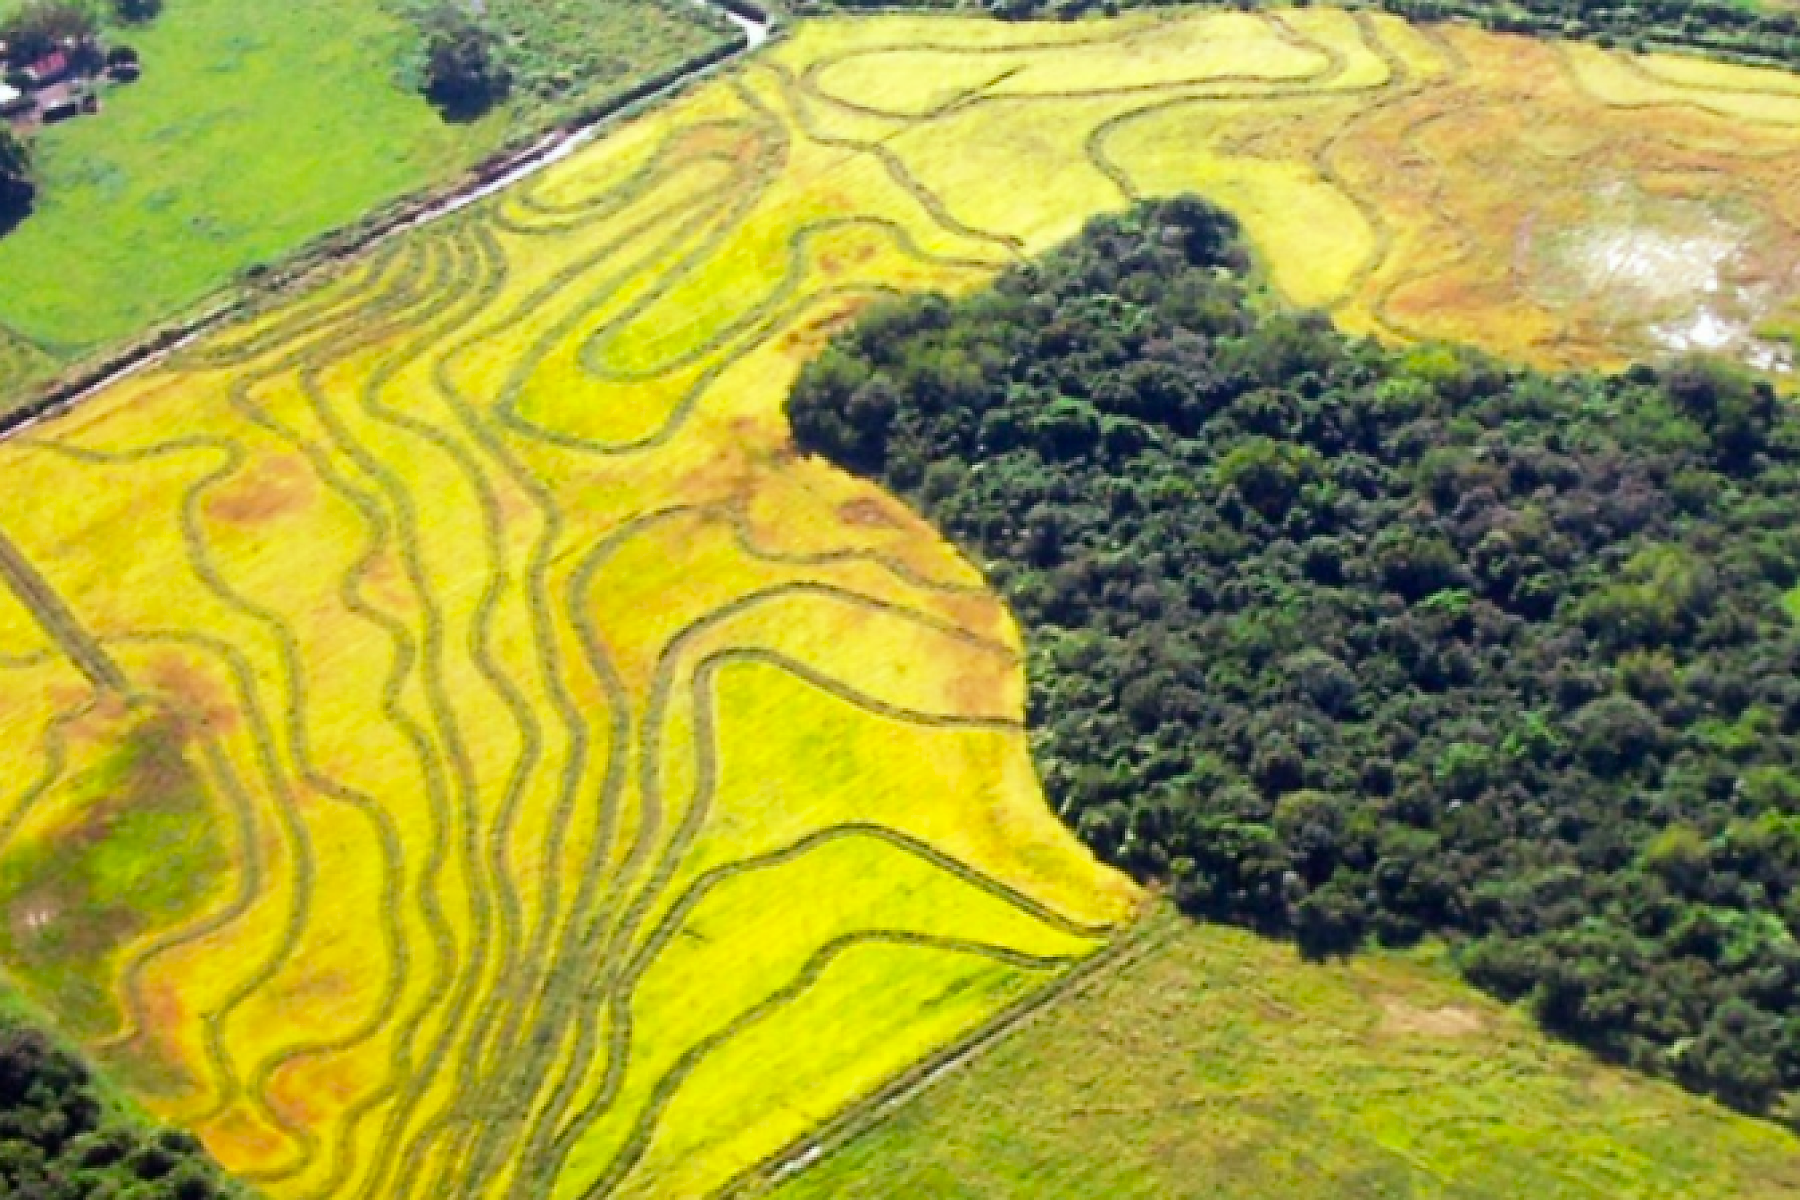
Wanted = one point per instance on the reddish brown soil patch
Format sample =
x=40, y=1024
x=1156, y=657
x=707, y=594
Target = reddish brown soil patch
x=807, y=339
x=308, y=1090
x=199, y=697
x=385, y=584
x=281, y=484
x=981, y=690
x=240, y=1139
x=835, y=263
x=149, y=1059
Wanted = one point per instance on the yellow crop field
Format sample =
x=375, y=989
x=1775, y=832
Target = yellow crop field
x=455, y=747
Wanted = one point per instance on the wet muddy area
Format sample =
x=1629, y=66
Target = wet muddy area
x=1672, y=275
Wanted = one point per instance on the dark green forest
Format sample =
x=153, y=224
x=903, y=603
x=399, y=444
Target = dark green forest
x=1345, y=643
x=61, y=1139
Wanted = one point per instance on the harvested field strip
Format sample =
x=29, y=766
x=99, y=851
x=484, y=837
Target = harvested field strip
x=531, y=672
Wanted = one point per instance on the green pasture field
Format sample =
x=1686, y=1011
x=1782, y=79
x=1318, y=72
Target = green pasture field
x=255, y=128
x=1221, y=1066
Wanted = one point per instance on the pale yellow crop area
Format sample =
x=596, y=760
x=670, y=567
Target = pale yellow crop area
x=543, y=781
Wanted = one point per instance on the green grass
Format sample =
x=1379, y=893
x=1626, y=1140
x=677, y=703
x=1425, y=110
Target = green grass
x=1220, y=1066
x=1782, y=325
x=255, y=127
x=575, y=52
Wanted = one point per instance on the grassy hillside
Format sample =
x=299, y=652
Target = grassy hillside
x=689, y=782
x=1221, y=1067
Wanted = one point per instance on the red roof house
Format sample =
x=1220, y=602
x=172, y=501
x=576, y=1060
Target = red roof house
x=52, y=68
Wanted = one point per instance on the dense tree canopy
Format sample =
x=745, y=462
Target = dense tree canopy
x=60, y=1140
x=1347, y=642
x=465, y=73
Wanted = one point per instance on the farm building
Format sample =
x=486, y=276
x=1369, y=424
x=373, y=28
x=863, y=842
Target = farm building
x=50, y=69
x=62, y=86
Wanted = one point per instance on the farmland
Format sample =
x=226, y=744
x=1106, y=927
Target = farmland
x=210, y=165
x=1220, y=1066
x=542, y=781
x=254, y=129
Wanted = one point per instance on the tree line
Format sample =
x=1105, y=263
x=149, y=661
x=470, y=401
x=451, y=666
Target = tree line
x=1742, y=31
x=1345, y=643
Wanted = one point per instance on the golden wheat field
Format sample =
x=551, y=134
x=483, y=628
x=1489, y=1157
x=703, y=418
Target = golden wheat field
x=454, y=747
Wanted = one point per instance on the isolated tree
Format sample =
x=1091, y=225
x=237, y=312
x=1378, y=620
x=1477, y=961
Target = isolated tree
x=135, y=12
x=16, y=182
x=464, y=74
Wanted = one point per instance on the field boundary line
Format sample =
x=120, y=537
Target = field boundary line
x=1149, y=931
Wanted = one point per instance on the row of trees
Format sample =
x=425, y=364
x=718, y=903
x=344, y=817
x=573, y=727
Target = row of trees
x=1760, y=33
x=1346, y=643
x=1745, y=32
